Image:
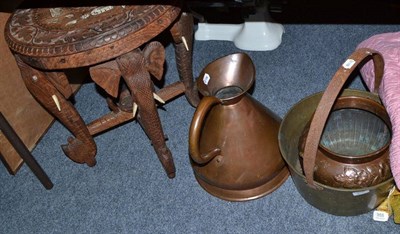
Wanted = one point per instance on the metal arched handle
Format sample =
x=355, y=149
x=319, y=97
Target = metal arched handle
x=327, y=101
x=196, y=126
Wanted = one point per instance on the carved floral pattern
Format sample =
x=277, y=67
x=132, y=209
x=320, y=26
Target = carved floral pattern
x=49, y=31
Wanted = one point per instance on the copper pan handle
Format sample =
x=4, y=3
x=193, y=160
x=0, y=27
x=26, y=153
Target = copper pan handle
x=196, y=126
x=324, y=107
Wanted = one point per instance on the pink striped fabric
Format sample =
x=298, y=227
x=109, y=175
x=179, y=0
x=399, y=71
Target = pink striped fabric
x=388, y=44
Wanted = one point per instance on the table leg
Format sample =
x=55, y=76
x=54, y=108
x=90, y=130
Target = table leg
x=21, y=149
x=134, y=71
x=82, y=148
x=182, y=33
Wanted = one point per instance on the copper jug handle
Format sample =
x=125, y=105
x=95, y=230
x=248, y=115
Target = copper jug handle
x=360, y=56
x=196, y=126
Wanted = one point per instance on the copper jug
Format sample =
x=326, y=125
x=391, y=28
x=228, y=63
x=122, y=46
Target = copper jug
x=233, y=139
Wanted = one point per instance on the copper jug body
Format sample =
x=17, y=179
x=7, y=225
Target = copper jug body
x=233, y=138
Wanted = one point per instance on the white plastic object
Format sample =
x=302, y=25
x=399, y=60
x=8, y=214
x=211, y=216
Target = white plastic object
x=254, y=36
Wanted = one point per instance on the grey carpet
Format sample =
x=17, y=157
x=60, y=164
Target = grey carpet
x=128, y=191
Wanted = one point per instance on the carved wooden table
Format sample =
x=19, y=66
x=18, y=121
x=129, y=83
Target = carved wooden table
x=115, y=42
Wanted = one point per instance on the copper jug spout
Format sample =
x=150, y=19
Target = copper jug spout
x=233, y=139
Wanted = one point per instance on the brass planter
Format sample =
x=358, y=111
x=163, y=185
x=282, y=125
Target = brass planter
x=300, y=134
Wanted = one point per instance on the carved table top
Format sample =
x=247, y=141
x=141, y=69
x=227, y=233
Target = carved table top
x=52, y=32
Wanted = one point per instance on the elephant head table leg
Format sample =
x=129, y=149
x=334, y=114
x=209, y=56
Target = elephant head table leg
x=135, y=67
x=82, y=148
x=182, y=33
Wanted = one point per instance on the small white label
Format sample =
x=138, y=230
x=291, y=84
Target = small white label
x=349, y=63
x=206, y=78
x=380, y=216
x=360, y=193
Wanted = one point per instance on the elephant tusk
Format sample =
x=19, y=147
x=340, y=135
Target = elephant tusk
x=158, y=98
x=185, y=43
x=134, y=109
x=55, y=99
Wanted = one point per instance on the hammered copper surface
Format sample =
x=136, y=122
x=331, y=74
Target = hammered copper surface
x=233, y=137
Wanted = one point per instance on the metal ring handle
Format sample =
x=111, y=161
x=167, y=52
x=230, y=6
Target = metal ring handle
x=196, y=126
x=328, y=99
